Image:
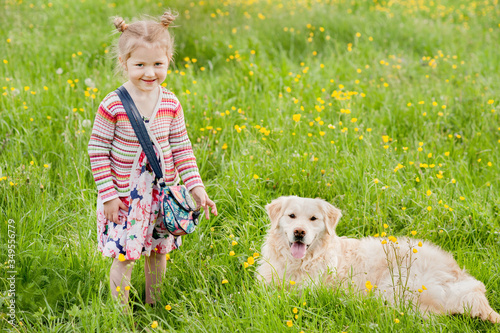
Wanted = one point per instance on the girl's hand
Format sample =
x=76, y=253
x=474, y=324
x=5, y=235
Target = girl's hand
x=111, y=209
x=201, y=197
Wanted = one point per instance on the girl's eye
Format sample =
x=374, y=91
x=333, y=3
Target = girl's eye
x=314, y=218
x=139, y=65
x=158, y=64
x=292, y=216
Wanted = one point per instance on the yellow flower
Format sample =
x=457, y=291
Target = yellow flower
x=292, y=282
x=251, y=260
x=392, y=239
x=225, y=281
x=429, y=192
x=353, y=120
x=413, y=232
x=245, y=264
x=429, y=208
x=256, y=255
x=368, y=285
x=415, y=250
x=231, y=253
x=118, y=289
x=127, y=288
x=383, y=234
x=233, y=243
x=289, y=323
x=396, y=320
x=154, y=324
x=420, y=290
x=167, y=257
x=376, y=181
x=420, y=244
x=168, y=307
x=296, y=117
x=423, y=287
x=384, y=242
x=121, y=257
x=386, y=226
x=295, y=310
x=385, y=138
x=255, y=177
x=462, y=198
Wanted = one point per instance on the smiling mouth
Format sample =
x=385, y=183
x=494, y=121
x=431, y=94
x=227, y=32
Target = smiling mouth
x=290, y=244
x=298, y=249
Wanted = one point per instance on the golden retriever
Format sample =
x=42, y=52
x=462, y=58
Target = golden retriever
x=301, y=246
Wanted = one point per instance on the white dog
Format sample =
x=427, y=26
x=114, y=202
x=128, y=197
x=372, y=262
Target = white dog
x=301, y=246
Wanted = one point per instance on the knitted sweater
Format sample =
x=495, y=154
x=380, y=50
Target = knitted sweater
x=114, y=149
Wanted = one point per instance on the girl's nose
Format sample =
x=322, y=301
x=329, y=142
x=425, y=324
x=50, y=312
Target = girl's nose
x=149, y=71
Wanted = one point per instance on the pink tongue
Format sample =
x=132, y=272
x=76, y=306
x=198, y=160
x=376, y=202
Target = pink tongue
x=298, y=250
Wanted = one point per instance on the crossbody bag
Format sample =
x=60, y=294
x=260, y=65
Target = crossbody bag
x=180, y=216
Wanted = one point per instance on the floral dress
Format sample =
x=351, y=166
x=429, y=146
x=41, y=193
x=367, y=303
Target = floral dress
x=141, y=230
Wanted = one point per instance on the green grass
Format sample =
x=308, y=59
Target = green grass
x=249, y=65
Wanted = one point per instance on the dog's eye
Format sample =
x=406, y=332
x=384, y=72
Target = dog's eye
x=314, y=218
x=292, y=216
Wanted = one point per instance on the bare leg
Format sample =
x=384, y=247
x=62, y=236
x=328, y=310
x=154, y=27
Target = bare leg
x=119, y=276
x=154, y=267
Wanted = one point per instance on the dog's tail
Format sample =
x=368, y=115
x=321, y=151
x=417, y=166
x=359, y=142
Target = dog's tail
x=469, y=296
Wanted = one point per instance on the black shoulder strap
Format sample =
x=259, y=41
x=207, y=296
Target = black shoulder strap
x=140, y=131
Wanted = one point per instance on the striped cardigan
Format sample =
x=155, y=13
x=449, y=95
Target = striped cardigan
x=114, y=149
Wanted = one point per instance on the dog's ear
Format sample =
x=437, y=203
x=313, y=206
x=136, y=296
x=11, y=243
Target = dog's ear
x=274, y=210
x=333, y=216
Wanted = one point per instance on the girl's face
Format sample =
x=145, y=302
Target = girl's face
x=147, y=67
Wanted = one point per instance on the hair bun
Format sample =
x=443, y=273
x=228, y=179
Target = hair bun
x=168, y=17
x=120, y=24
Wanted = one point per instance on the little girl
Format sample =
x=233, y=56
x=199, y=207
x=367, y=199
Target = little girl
x=128, y=203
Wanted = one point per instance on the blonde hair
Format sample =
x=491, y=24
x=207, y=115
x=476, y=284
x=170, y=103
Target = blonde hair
x=149, y=31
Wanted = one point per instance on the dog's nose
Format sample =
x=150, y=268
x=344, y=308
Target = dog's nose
x=299, y=233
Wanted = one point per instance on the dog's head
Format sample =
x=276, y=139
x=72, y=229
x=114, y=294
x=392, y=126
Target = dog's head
x=302, y=221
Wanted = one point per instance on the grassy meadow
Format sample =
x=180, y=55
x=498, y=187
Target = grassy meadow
x=387, y=109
